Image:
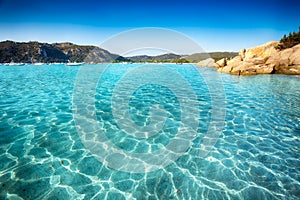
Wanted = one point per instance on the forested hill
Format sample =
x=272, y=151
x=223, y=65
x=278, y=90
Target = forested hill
x=33, y=52
x=289, y=41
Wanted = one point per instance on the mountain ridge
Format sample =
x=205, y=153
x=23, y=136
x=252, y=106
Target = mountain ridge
x=40, y=52
x=35, y=52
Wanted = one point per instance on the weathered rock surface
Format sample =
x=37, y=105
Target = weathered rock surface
x=226, y=69
x=221, y=63
x=264, y=59
x=209, y=62
x=242, y=53
x=262, y=51
x=295, y=56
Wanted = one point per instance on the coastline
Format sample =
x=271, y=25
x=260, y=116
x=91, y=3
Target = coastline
x=270, y=58
x=263, y=59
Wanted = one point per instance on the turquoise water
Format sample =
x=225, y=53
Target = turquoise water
x=42, y=154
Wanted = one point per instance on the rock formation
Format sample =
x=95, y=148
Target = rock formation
x=209, y=62
x=222, y=63
x=264, y=59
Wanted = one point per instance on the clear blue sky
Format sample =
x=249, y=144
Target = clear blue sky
x=215, y=25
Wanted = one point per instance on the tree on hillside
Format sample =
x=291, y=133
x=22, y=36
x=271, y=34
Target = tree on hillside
x=289, y=41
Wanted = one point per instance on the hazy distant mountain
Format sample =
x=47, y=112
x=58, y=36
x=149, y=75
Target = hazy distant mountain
x=142, y=58
x=167, y=57
x=32, y=52
x=170, y=57
x=183, y=58
x=215, y=55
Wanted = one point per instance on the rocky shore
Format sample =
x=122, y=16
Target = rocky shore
x=263, y=59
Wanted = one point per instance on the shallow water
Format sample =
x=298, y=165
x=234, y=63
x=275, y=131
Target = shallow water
x=43, y=156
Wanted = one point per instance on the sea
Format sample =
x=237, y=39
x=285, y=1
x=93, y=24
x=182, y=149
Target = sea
x=147, y=131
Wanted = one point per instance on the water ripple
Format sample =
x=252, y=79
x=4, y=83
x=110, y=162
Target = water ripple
x=42, y=156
